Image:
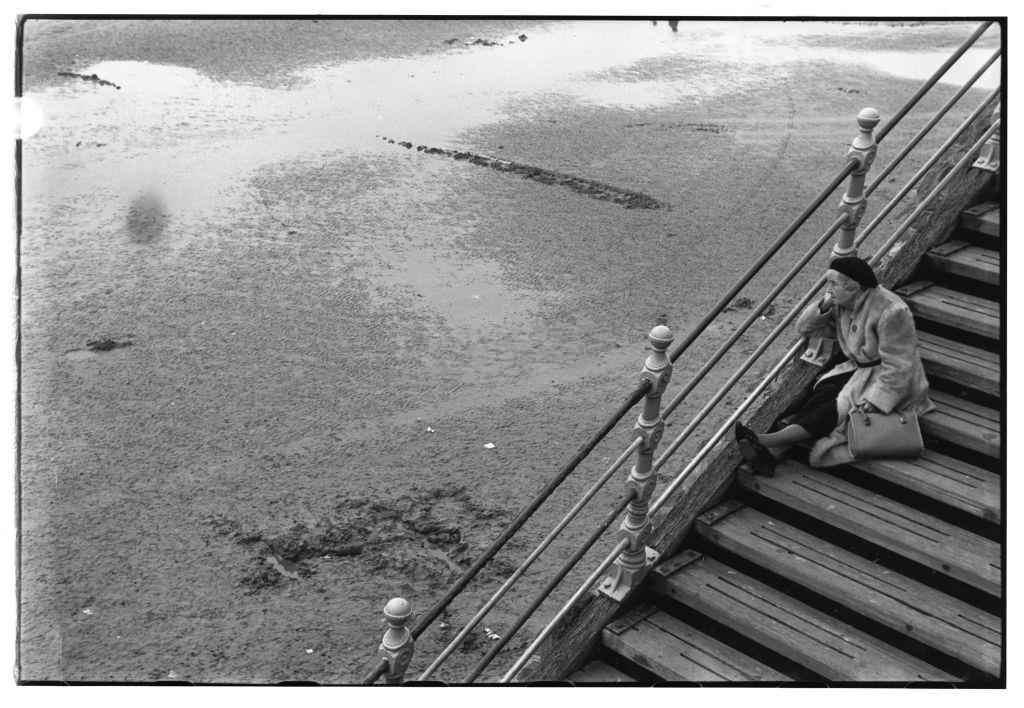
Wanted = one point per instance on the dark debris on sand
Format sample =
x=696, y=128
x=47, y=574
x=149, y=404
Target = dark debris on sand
x=90, y=77
x=105, y=344
x=409, y=536
x=581, y=185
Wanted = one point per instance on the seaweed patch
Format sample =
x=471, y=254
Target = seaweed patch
x=587, y=187
x=89, y=77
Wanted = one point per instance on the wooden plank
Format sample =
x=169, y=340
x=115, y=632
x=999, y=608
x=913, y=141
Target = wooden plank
x=954, y=309
x=912, y=534
x=965, y=260
x=826, y=646
x=912, y=608
x=982, y=219
x=732, y=662
x=673, y=650
x=945, y=479
x=948, y=248
x=964, y=423
x=599, y=672
x=960, y=363
x=974, y=410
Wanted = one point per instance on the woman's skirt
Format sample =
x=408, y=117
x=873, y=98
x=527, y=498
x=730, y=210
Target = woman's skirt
x=819, y=414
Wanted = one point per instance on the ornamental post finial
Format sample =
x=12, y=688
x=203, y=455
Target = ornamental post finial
x=637, y=559
x=863, y=150
x=397, y=645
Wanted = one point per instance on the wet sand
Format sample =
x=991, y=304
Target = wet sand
x=324, y=340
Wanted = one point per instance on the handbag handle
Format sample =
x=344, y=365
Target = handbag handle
x=867, y=416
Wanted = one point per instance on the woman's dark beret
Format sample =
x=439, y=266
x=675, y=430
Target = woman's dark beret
x=855, y=268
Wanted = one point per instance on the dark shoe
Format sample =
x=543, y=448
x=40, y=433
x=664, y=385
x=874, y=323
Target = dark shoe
x=760, y=461
x=742, y=432
x=757, y=469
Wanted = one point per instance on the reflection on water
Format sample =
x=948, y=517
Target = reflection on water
x=921, y=65
x=218, y=130
x=173, y=146
x=432, y=99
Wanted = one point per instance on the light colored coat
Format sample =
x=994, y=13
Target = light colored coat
x=877, y=326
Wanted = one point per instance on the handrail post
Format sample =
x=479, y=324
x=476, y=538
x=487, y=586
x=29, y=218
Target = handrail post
x=397, y=645
x=863, y=149
x=989, y=158
x=637, y=559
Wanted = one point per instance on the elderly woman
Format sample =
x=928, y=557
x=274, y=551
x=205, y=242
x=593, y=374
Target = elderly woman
x=882, y=371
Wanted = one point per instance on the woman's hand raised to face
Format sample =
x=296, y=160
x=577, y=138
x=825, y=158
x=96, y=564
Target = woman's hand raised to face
x=825, y=304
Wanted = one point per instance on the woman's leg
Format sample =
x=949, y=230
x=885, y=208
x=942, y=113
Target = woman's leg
x=779, y=442
x=762, y=451
x=785, y=438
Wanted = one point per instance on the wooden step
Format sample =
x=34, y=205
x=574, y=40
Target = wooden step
x=982, y=219
x=951, y=308
x=944, y=479
x=961, y=258
x=673, y=650
x=912, y=608
x=813, y=639
x=599, y=672
x=912, y=534
x=967, y=424
x=960, y=363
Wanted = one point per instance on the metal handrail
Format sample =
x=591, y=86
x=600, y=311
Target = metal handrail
x=799, y=221
x=721, y=432
x=708, y=407
x=541, y=547
x=926, y=202
x=755, y=312
x=939, y=115
x=795, y=311
x=591, y=579
x=723, y=302
x=675, y=402
x=699, y=417
x=912, y=182
x=756, y=266
x=631, y=400
x=621, y=546
x=381, y=666
x=756, y=354
x=752, y=317
x=569, y=564
x=694, y=333
x=885, y=171
x=936, y=75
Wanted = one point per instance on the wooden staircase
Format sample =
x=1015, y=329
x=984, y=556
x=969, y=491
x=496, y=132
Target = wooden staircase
x=880, y=571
